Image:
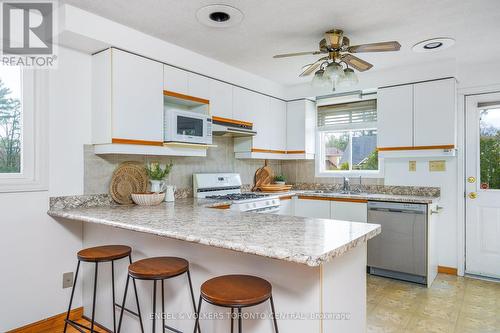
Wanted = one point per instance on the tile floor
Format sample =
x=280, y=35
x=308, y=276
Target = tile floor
x=452, y=305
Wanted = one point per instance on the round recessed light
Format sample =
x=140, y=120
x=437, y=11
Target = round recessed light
x=219, y=16
x=434, y=44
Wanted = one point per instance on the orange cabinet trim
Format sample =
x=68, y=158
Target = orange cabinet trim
x=233, y=121
x=286, y=197
x=136, y=142
x=416, y=148
x=447, y=270
x=186, y=97
x=222, y=207
x=305, y=197
x=270, y=151
x=295, y=151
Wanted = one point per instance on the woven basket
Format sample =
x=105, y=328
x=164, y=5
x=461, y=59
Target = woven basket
x=148, y=199
x=128, y=178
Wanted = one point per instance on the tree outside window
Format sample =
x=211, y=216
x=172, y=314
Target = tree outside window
x=10, y=120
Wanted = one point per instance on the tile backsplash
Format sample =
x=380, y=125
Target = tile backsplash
x=99, y=168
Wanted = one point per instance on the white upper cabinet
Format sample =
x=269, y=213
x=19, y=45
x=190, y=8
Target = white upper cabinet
x=175, y=79
x=417, y=116
x=395, y=116
x=275, y=125
x=198, y=86
x=242, y=103
x=137, y=97
x=435, y=113
x=301, y=127
x=221, y=99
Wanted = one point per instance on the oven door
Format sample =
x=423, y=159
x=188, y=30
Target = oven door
x=188, y=127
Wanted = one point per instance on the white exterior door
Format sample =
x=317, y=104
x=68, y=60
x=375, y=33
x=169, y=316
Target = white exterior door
x=483, y=185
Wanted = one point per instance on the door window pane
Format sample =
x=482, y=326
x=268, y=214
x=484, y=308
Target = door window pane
x=489, y=150
x=10, y=120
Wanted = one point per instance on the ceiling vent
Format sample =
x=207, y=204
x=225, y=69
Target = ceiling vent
x=219, y=16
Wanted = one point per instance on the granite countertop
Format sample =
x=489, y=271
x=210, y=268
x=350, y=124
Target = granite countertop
x=308, y=241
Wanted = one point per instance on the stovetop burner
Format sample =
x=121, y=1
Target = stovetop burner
x=238, y=196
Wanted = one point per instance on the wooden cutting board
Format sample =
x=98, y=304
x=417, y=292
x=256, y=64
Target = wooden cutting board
x=275, y=188
x=263, y=176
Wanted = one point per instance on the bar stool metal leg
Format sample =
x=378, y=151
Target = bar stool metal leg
x=136, y=298
x=274, y=315
x=239, y=321
x=232, y=320
x=192, y=294
x=162, y=306
x=94, y=298
x=154, y=306
x=71, y=298
x=113, y=291
x=197, y=314
x=123, y=304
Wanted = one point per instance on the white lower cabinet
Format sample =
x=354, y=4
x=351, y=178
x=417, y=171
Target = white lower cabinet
x=312, y=208
x=331, y=209
x=286, y=206
x=348, y=211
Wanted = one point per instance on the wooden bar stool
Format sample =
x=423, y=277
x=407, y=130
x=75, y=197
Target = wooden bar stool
x=236, y=292
x=154, y=269
x=100, y=254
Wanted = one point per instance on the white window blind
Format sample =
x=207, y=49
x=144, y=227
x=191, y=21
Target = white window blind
x=354, y=115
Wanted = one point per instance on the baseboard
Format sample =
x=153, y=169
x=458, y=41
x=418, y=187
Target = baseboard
x=50, y=324
x=447, y=270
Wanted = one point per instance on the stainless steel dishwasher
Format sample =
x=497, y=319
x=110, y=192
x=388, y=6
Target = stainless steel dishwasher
x=400, y=251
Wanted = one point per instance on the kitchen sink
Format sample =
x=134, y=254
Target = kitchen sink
x=338, y=192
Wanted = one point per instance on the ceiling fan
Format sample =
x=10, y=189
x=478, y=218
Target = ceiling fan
x=337, y=48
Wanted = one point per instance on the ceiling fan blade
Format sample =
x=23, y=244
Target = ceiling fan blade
x=295, y=54
x=356, y=63
x=375, y=47
x=312, y=67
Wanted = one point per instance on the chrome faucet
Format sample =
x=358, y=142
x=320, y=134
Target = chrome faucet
x=346, y=186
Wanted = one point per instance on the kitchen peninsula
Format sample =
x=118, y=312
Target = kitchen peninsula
x=317, y=266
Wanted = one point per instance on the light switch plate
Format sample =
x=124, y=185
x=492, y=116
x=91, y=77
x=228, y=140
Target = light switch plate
x=412, y=166
x=437, y=166
x=67, y=280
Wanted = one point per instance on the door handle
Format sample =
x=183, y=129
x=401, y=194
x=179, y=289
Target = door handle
x=472, y=195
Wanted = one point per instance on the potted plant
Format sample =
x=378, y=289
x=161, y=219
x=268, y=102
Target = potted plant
x=280, y=180
x=157, y=174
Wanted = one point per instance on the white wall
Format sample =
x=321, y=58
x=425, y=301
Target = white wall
x=34, y=248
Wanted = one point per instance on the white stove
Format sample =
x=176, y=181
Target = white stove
x=227, y=187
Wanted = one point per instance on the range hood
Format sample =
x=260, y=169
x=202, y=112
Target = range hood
x=231, y=127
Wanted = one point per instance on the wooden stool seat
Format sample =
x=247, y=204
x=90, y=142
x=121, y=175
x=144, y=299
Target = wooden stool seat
x=236, y=290
x=104, y=253
x=158, y=268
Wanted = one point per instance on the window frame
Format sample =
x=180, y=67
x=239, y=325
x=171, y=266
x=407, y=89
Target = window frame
x=320, y=147
x=34, y=101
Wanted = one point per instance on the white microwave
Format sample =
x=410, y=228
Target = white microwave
x=187, y=126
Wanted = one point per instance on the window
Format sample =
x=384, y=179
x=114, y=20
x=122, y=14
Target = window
x=489, y=146
x=10, y=120
x=347, y=139
x=23, y=129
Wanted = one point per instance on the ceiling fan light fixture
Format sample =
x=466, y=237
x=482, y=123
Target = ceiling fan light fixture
x=348, y=79
x=320, y=79
x=334, y=70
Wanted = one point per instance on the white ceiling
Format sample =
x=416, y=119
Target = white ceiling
x=280, y=26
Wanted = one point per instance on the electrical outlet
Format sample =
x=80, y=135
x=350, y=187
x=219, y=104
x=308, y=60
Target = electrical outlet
x=67, y=280
x=435, y=166
x=412, y=166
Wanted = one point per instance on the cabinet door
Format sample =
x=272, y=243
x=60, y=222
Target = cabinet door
x=349, y=211
x=295, y=130
x=312, y=208
x=275, y=125
x=259, y=115
x=198, y=86
x=221, y=99
x=137, y=90
x=435, y=113
x=286, y=207
x=175, y=80
x=242, y=100
x=395, y=116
